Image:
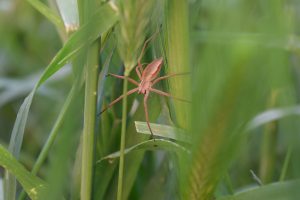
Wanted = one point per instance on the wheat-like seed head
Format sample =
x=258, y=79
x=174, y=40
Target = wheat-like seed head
x=134, y=18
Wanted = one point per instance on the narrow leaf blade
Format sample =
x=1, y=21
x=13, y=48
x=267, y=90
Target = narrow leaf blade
x=31, y=184
x=155, y=144
x=163, y=131
x=105, y=17
x=276, y=191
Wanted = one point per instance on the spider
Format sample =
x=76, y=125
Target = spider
x=148, y=78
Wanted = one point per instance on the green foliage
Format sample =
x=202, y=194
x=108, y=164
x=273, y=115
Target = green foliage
x=34, y=186
x=243, y=84
x=134, y=18
x=282, y=190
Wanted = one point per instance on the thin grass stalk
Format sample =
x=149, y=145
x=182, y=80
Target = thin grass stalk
x=52, y=136
x=46, y=148
x=122, y=144
x=268, y=148
x=89, y=122
x=286, y=162
x=86, y=9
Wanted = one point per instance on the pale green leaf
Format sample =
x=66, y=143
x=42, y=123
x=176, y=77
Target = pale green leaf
x=69, y=13
x=272, y=115
x=163, y=131
x=288, y=190
x=153, y=145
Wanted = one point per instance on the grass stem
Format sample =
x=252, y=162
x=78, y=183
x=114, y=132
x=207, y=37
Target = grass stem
x=54, y=131
x=122, y=144
x=89, y=122
x=286, y=163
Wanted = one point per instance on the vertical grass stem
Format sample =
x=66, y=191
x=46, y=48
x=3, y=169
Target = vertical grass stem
x=122, y=144
x=89, y=122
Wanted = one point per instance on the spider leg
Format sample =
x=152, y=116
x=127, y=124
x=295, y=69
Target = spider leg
x=145, y=45
x=168, y=95
x=118, y=99
x=146, y=113
x=137, y=69
x=168, y=76
x=123, y=77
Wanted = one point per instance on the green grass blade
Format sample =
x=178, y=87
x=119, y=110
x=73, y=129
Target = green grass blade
x=163, y=131
x=123, y=139
x=77, y=41
x=103, y=19
x=91, y=83
x=286, y=163
x=272, y=115
x=276, y=191
x=16, y=143
x=48, y=13
x=153, y=145
x=63, y=152
x=34, y=186
x=89, y=121
x=134, y=160
x=178, y=59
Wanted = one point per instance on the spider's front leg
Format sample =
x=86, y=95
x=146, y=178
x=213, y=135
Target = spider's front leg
x=138, y=72
x=123, y=77
x=146, y=112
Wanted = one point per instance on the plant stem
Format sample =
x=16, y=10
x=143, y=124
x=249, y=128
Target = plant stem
x=52, y=136
x=268, y=147
x=54, y=131
x=89, y=121
x=286, y=163
x=177, y=52
x=122, y=144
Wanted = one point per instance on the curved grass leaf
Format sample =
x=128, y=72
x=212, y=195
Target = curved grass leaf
x=276, y=191
x=104, y=18
x=154, y=144
x=34, y=186
x=47, y=12
x=271, y=115
x=163, y=131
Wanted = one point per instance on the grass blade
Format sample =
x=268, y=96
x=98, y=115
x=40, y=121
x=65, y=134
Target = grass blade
x=63, y=151
x=15, y=145
x=77, y=41
x=89, y=121
x=177, y=52
x=34, y=186
x=163, y=131
x=152, y=145
x=276, y=191
x=47, y=12
x=272, y=115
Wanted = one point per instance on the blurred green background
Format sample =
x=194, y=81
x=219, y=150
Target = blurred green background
x=243, y=123
x=28, y=43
